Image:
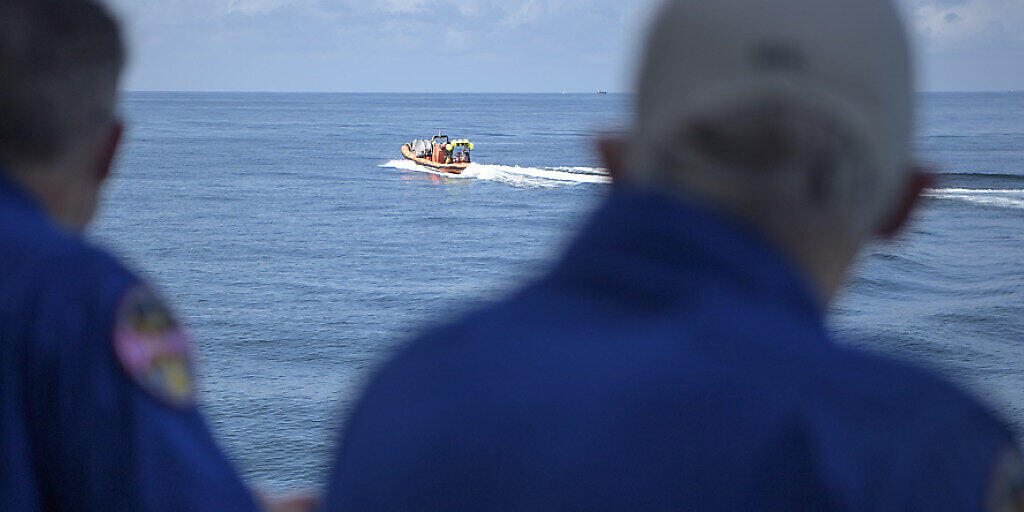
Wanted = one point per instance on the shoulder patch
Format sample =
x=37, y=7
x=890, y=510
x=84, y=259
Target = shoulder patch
x=1006, y=483
x=152, y=349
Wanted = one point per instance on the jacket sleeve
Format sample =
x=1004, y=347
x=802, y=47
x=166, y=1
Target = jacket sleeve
x=952, y=460
x=112, y=409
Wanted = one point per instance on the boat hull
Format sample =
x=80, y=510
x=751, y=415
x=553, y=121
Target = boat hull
x=448, y=168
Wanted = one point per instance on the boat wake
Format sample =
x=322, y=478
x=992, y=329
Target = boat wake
x=549, y=177
x=1001, y=198
x=516, y=176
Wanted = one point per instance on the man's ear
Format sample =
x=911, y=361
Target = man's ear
x=613, y=150
x=920, y=180
x=108, y=150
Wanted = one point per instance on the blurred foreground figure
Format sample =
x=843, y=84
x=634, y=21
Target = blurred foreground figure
x=676, y=358
x=97, y=408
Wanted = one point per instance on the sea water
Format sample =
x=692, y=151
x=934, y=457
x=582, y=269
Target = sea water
x=301, y=250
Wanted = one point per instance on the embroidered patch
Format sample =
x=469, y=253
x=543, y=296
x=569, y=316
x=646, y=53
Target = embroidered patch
x=152, y=348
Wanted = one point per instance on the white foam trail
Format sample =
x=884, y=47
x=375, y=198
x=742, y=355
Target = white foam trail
x=535, y=177
x=584, y=170
x=529, y=177
x=1004, y=198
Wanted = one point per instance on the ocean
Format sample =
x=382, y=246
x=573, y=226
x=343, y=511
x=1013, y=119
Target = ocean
x=301, y=250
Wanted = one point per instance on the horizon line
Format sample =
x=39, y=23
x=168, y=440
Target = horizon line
x=239, y=91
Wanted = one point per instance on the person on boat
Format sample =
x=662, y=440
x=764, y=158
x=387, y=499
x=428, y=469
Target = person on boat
x=677, y=357
x=98, y=408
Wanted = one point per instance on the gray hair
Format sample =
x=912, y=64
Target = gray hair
x=60, y=62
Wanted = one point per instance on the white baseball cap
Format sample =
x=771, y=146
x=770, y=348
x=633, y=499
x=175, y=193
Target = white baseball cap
x=846, y=60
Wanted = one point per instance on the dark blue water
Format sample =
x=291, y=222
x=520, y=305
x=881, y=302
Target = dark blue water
x=300, y=251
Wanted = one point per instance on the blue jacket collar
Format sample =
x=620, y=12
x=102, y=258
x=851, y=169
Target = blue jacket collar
x=676, y=238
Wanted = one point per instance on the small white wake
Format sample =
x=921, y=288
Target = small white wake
x=547, y=177
x=1003, y=198
x=526, y=177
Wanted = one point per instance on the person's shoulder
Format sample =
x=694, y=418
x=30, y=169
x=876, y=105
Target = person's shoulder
x=57, y=277
x=543, y=331
x=42, y=250
x=805, y=364
x=447, y=355
x=527, y=322
x=543, y=327
x=80, y=301
x=938, y=441
x=896, y=387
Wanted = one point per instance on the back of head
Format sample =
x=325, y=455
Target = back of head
x=60, y=61
x=789, y=104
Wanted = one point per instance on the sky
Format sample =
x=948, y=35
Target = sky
x=486, y=45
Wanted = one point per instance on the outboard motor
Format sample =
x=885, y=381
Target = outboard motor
x=421, y=148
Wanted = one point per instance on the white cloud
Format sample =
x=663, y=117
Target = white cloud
x=400, y=6
x=946, y=23
x=213, y=44
x=264, y=6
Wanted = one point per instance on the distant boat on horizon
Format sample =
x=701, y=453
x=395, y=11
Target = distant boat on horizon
x=602, y=92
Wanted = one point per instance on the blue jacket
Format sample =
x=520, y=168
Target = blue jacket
x=96, y=409
x=674, y=361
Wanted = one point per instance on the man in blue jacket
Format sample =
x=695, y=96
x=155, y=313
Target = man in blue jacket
x=97, y=410
x=676, y=358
